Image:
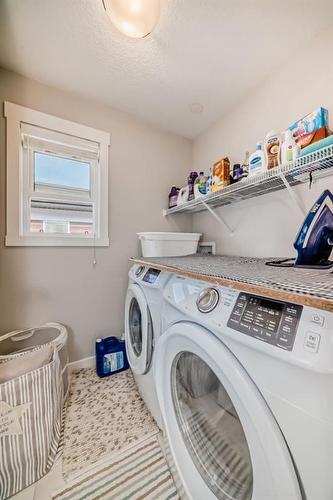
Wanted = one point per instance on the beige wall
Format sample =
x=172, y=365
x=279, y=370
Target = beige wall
x=61, y=284
x=266, y=226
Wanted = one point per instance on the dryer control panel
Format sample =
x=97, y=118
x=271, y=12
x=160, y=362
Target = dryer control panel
x=268, y=320
x=151, y=276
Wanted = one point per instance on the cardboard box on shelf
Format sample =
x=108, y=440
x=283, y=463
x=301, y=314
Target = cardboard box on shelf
x=220, y=174
x=305, y=140
x=310, y=123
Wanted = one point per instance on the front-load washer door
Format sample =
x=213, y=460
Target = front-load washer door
x=138, y=330
x=224, y=439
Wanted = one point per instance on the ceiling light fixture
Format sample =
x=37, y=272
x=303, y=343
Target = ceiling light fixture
x=134, y=18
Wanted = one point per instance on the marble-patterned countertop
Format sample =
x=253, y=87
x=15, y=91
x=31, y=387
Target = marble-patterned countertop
x=309, y=287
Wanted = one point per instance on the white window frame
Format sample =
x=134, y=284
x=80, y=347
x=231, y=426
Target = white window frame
x=18, y=179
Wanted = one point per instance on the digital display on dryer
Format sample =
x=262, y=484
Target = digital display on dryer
x=151, y=276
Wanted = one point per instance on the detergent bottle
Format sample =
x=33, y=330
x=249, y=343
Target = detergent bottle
x=289, y=148
x=272, y=149
x=209, y=182
x=257, y=161
x=200, y=185
x=173, y=195
x=245, y=165
x=190, y=183
x=110, y=356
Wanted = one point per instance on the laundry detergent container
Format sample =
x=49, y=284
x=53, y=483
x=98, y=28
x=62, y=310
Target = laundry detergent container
x=168, y=244
x=14, y=343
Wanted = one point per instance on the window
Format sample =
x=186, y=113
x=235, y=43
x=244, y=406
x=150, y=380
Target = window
x=57, y=181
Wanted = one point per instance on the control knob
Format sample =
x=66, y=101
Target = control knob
x=208, y=300
x=139, y=271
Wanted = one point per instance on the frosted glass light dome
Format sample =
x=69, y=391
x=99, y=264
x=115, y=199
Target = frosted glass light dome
x=134, y=18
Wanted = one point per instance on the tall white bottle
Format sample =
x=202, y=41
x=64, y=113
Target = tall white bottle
x=257, y=161
x=289, y=148
x=272, y=149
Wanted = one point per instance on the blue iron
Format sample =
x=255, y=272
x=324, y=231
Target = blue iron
x=314, y=241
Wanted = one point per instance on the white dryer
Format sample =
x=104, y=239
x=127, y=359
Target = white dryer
x=245, y=387
x=143, y=328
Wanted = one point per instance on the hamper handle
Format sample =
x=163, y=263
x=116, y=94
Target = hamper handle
x=24, y=336
x=14, y=335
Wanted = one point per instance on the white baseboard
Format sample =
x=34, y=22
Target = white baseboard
x=81, y=363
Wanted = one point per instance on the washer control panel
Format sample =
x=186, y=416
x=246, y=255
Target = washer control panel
x=151, y=276
x=268, y=320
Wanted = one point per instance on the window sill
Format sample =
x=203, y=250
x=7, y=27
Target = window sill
x=55, y=241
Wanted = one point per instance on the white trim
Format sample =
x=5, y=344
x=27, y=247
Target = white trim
x=89, y=362
x=24, y=114
x=15, y=115
x=54, y=241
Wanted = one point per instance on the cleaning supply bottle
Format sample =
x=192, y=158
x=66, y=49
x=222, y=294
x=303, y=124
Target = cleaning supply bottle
x=289, y=148
x=236, y=173
x=190, y=182
x=209, y=182
x=110, y=356
x=257, y=161
x=173, y=195
x=182, y=196
x=272, y=149
x=245, y=165
x=200, y=185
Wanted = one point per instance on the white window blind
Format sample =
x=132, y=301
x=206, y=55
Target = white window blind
x=51, y=141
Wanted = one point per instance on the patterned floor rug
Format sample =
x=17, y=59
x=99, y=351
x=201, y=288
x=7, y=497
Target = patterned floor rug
x=103, y=417
x=140, y=473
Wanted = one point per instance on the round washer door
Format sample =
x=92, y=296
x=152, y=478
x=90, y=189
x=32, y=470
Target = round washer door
x=138, y=330
x=224, y=439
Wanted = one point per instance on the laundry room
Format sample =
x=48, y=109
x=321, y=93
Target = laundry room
x=166, y=249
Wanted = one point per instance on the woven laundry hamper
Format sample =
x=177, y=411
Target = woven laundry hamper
x=18, y=341
x=30, y=422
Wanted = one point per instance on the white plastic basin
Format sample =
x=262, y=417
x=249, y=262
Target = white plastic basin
x=168, y=244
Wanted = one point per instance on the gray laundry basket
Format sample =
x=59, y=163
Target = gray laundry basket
x=30, y=424
x=18, y=341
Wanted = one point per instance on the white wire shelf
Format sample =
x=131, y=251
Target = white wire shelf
x=316, y=164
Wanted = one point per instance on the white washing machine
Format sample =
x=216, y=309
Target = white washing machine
x=245, y=387
x=143, y=328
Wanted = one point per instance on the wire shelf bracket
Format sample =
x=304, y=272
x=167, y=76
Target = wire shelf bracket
x=293, y=195
x=217, y=217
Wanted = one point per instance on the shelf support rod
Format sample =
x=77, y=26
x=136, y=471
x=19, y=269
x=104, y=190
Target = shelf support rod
x=217, y=217
x=292, y=194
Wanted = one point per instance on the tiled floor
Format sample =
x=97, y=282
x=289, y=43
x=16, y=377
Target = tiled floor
x=27, y=494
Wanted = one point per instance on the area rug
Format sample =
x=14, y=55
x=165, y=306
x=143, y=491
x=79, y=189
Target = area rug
x=103, y=417
x=140, y=473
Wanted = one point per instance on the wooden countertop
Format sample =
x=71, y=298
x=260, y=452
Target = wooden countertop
x=308, y=287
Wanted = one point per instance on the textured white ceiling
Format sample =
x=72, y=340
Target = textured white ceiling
x=207, y=51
